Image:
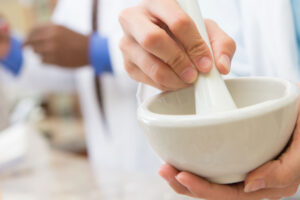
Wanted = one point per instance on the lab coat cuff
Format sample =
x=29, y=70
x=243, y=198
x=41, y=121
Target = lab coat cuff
x=99, y=54
x=14, y=60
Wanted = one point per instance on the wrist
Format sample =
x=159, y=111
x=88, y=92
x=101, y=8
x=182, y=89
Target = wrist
x=85, y=47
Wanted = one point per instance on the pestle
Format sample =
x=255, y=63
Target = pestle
x=211, y=93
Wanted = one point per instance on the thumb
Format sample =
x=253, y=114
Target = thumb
x=279, y=173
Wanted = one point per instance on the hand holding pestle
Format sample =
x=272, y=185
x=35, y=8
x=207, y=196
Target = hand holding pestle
x=211, y=93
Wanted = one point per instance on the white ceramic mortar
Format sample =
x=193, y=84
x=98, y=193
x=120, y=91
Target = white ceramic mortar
x=222, y=147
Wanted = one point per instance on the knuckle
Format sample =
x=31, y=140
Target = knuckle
x=157, y=74
x=177, y=61
x=152, y=39
x=230, y=43
x=198, y=49
x=181, y=23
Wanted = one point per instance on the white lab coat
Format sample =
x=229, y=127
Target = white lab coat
x=121, y=144
x=265, y=35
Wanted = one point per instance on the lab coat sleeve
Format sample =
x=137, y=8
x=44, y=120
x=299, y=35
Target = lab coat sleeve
x=14, y=59
x=37, y=77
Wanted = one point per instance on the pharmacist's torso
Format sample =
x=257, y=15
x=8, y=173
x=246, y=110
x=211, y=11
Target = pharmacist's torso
x=266, y=44
x=115, y=141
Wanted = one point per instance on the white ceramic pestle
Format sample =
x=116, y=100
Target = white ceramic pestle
x=211, y=93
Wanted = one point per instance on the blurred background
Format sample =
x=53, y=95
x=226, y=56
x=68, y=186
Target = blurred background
x=43, y=147
x=58, y=115
x=23, y=15
x=43, y=151
x=54, y=122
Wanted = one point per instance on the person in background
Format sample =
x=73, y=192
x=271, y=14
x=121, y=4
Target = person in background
x=76, y=50
x=267, y=35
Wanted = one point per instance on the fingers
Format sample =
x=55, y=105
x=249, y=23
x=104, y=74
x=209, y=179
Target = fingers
x=157, y=42
x=168, y=35
x=138, y=75
x=223, y=46
x=203, y=189
x=154, y=68
x=279, y=173
x=184, y=29
x=38, y=35
x=48, y=58
x=40, y=41
x=169, y=173
x=44, y=47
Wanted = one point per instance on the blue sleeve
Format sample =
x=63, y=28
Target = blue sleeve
x=14, y=60
x=99, y=54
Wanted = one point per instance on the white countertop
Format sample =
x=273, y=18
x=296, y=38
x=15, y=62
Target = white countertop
x=52, y=175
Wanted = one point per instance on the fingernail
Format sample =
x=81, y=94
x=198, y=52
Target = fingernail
x=178, y=178
x=189, y=75
x=225, y=62
x=255, y=186
x=204, y=64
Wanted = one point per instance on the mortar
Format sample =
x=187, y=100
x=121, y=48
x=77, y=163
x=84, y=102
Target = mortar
x=222, y=147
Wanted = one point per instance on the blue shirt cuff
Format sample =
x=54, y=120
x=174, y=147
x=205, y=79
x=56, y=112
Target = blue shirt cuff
x=14, y=60
x=99, y=54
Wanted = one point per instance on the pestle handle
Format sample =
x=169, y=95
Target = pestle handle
x=211, y=93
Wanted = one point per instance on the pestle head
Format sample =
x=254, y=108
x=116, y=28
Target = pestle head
x=211, y=93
